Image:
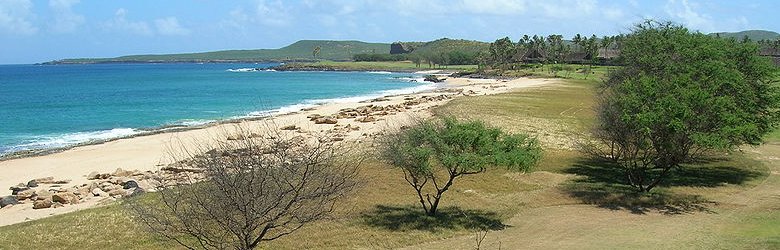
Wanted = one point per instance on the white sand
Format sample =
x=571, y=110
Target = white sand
x=150, y=152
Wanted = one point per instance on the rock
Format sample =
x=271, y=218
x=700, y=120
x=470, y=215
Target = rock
x=289, y=127
x=433, y=78
x=366, y=119
x=32, y=184
x=39, y=204
x=45, y=180
x=123, y=173
x=337, y=139
x=118, y=193
x=108, y=186
x=99, y=192
x=56, y=205
x=25, y=194
x=8, y=200
x=65, y=198
x=130, y=184
x=93, y=175
x=136, y=191
x=18, y=188
x=326, y=120
x=43, y=194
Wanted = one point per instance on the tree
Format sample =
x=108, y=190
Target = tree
x=253, y=190
x=681, y=94
x=438, y=152
x=316, y=52
x=577, y=41
x=502, y=51
x=592, y=48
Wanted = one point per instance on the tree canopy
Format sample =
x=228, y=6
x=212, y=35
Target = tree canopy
x=437, y=153
x=681, y=94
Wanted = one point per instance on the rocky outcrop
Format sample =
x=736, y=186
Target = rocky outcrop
x=8, y=201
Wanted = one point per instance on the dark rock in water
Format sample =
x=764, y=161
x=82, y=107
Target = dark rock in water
x=32, y=183
x=130, y=184
x=432, y=78
x=8, y=200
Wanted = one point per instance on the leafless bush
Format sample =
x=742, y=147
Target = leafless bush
x=251, y=189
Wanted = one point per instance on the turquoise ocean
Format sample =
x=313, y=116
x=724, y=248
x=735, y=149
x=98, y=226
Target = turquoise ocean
x=51, y=106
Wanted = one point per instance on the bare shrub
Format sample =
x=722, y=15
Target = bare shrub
x=251, y=189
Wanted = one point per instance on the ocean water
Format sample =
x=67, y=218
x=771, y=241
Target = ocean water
x=48, y=106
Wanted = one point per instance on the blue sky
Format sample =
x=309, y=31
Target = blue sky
x=42, y=30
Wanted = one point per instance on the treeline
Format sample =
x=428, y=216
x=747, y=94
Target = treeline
x=553, y=49
x=432, y=58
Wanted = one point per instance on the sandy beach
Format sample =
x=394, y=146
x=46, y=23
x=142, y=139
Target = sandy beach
x=150, y=152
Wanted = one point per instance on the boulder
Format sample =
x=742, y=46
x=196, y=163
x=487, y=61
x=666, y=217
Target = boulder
x=8, y=200
x=136, y=191
x=366, y=119
x=99, y=192
x=32, y=184
x=18, y=188
x=26, y=194
x=130, y=184
x=289, y=127
x=123, y=173
x=117, y=193
x=65, y=198
x=39, y=204
x=326, y=120
x=43, y=194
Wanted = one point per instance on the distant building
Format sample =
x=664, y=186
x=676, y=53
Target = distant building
x=773, y=53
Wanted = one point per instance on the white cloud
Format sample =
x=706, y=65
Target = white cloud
x=120, y=23
x=613, y=14
x=65, y=20
x=170, y=26
x=15, y=17
x=685, y=12
x=271, y=14
x=499, y=7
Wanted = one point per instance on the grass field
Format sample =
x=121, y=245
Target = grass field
x=566, y=202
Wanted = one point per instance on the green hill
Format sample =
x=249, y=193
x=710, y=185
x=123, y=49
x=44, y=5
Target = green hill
x=330, y=50
x=755, y=35
x=446, y=45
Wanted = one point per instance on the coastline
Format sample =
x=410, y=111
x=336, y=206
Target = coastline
x=149, y=152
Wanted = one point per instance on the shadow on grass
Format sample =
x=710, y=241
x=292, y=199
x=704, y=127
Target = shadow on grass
x=605, y=185
x=402, y=218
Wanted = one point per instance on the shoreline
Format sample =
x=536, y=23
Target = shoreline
x=174, y=128
x=149, y=152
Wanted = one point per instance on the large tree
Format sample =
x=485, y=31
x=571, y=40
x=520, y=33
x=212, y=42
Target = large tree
x=679, y=95
x=432, y=154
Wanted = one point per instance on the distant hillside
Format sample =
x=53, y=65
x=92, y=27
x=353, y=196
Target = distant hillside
x=755, y=35
x=331, y=50
x=446, y=45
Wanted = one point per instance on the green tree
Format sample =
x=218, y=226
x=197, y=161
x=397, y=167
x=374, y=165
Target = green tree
x=502, y=51
x=681, y=94
x=432, y=154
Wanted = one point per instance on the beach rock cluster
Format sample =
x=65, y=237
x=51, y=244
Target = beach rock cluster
x=51, y=193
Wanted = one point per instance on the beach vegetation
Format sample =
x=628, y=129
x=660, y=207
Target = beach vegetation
x=681, y=96
x=433, y=154
x=253, y=191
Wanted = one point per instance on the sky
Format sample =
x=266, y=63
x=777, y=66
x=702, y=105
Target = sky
x=33, y=31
